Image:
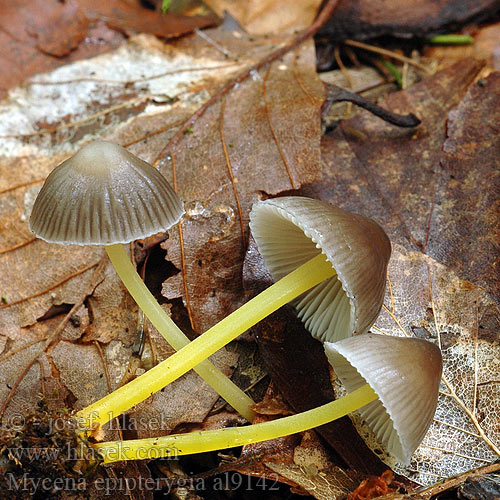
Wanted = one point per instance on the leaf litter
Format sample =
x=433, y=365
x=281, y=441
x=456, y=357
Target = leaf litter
x=88, y=103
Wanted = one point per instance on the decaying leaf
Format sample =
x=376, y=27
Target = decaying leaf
x=262, y=137
x=36, y=136
x=464, y=434
x=372, y=18
x=437, y=291
x=269, y=16
x=486, y=47
x=32, y=43
x=313, y=471
x=41, y=35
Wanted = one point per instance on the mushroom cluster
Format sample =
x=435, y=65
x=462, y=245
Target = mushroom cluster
x=398, y=413
x=333, y=264
x=330, y=263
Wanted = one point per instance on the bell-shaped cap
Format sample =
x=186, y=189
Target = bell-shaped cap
x=405, y=374
x=289, y=231
x=104, y=195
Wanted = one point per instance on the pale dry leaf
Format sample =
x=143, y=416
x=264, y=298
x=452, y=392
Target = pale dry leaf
x=464, y=320
x=314, y=472
x=269, y=16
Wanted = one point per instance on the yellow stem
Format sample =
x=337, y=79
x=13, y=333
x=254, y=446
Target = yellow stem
x=225, y=387
x=201, y=441
x=291, y=286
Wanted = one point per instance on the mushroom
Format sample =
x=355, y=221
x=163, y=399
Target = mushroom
x=291, y=230
x=104, y=195
x=394, y=383
x=405, y=374
x=309, y=245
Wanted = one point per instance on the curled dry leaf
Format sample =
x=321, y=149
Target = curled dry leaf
x=371, y=18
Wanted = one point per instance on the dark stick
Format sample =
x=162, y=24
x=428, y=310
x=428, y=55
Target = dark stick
x=337, y=94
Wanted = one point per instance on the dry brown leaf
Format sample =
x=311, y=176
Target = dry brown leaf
x=464, y=434
x=363, y=19
x=41, y=35
x=486, y=46
x=269, y=16
x=448, y=292
x=47, y=279
x=33, y=43
x=132, y=18
x=314, y=472
x=262, y=137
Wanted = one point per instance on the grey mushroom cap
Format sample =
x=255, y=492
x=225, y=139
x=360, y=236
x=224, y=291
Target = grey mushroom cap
x=405, y=374
x=104, y=195
x=289, y=231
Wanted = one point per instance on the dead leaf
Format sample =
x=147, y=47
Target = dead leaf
x=394, y=174
x=36, y=278
x=464, y=434
x=262, y=137
x=131, y=18
x=448, y=291
x=74, y=30
x=313, y=471
x=464, y=232
x=33, y=44
x=269, y=16
x=363, y=19
x=486, y=46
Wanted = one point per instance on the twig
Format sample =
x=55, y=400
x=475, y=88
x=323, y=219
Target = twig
x=337, y=94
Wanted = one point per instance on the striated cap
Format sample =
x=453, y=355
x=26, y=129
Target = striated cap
x=289, y=231
x=405, y=374
x=101, y=196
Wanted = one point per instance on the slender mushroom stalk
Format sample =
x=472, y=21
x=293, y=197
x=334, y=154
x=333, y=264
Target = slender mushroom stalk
x=338, y=258
x=104, y=195
x=394, y=383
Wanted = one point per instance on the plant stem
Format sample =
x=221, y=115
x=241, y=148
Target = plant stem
x=202, y=441
x=291, y=286
x=451, y=39
x=226, y=388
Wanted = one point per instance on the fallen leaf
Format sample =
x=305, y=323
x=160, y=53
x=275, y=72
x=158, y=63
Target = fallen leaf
x=486, y=47
x=32, y=43
x=262, y=137
x=75, y=30
x=269, y=16
x=363, y=19
x=313, y=471
x=440, y=289
x=132, y=18
x=41, y=281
